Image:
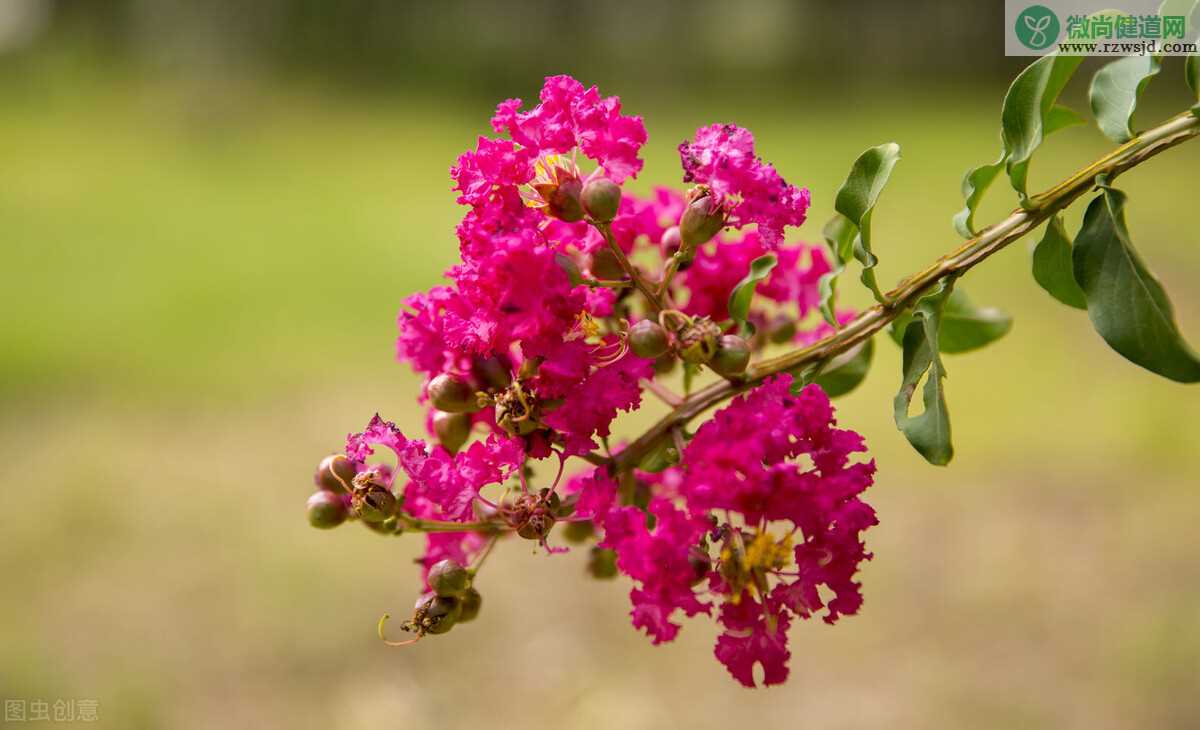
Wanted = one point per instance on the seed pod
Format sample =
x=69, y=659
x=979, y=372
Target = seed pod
x=372, y=500
x=703, y=218
x=452, y=393
x=648, y=339
x=334, y=473
x=452, y=429
x=698, y=341
x=470, y=602
x=606, y=266
x=732, y=356
x=602, y=563
x=495, y=373
x=448, y=578
x=563, y=199
x=436, y=614
x=326, y=509
x=601, y=199
x=537, y=527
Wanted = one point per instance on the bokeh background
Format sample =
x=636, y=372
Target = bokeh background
x=209, y=213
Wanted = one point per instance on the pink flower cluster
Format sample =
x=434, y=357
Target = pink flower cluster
x=770, y=483
x=760, y=522
x=722, y=157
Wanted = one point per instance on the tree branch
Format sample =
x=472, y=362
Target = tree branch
x=1041, y=207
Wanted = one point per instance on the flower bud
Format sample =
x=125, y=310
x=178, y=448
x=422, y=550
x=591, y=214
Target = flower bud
x=602, y=563
x=448, y=578
x=326, y=509
x=698, y=341
x=648, y=339
x=703, y=218
x=436, y=614
x=334, y=473
x=452, y=393
x=494, y=372
x=563, y=198
x=664, y=365
x=782, y=330
x=452, y=429
x=601, y=199
x=605, y=265
x=732, y=356
x=671, y=241
x=470, y=603
x=372, y=500
x=578, y=532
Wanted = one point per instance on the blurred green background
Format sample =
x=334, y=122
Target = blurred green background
x=209, y=215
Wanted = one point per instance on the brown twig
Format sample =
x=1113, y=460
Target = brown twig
x=1039, y=208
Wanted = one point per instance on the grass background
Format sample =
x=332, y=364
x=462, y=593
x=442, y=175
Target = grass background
x=201, y=282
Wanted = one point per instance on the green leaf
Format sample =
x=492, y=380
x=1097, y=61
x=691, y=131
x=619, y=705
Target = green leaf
x=839, y=235
x=1192, y=72
x=1114, y=94
x=928, y=432
x=856, y=200
x=1126, y=304
x=975, y=183
x=964, y=326
x=743, y=294
x=1061, y=117
x=978, y=179
x=690, y=371
x=1052, y=266
x=1029, y=111
x=847, y=371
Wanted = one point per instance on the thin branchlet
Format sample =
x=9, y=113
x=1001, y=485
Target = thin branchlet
x=1022, y=221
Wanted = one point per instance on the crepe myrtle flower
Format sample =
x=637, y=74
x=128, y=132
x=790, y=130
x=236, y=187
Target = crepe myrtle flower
x=721, y=157
x=570, y=299
x=762, y=516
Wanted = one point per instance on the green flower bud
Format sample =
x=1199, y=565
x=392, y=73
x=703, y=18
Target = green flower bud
x=782, y=330
x=452, y=393
x=334, y=473
x=436, y=614
x=703, y=218
x=606, y=266
x=578, y=532
x=494, y=372
x=326, y=509
x=698, y=341
x=601, y=199
x=671, y=241
x=732, y=356
x=602, y=563
x=448, y=578
x=470, y=602
x=648, y=339
x=452, y=429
